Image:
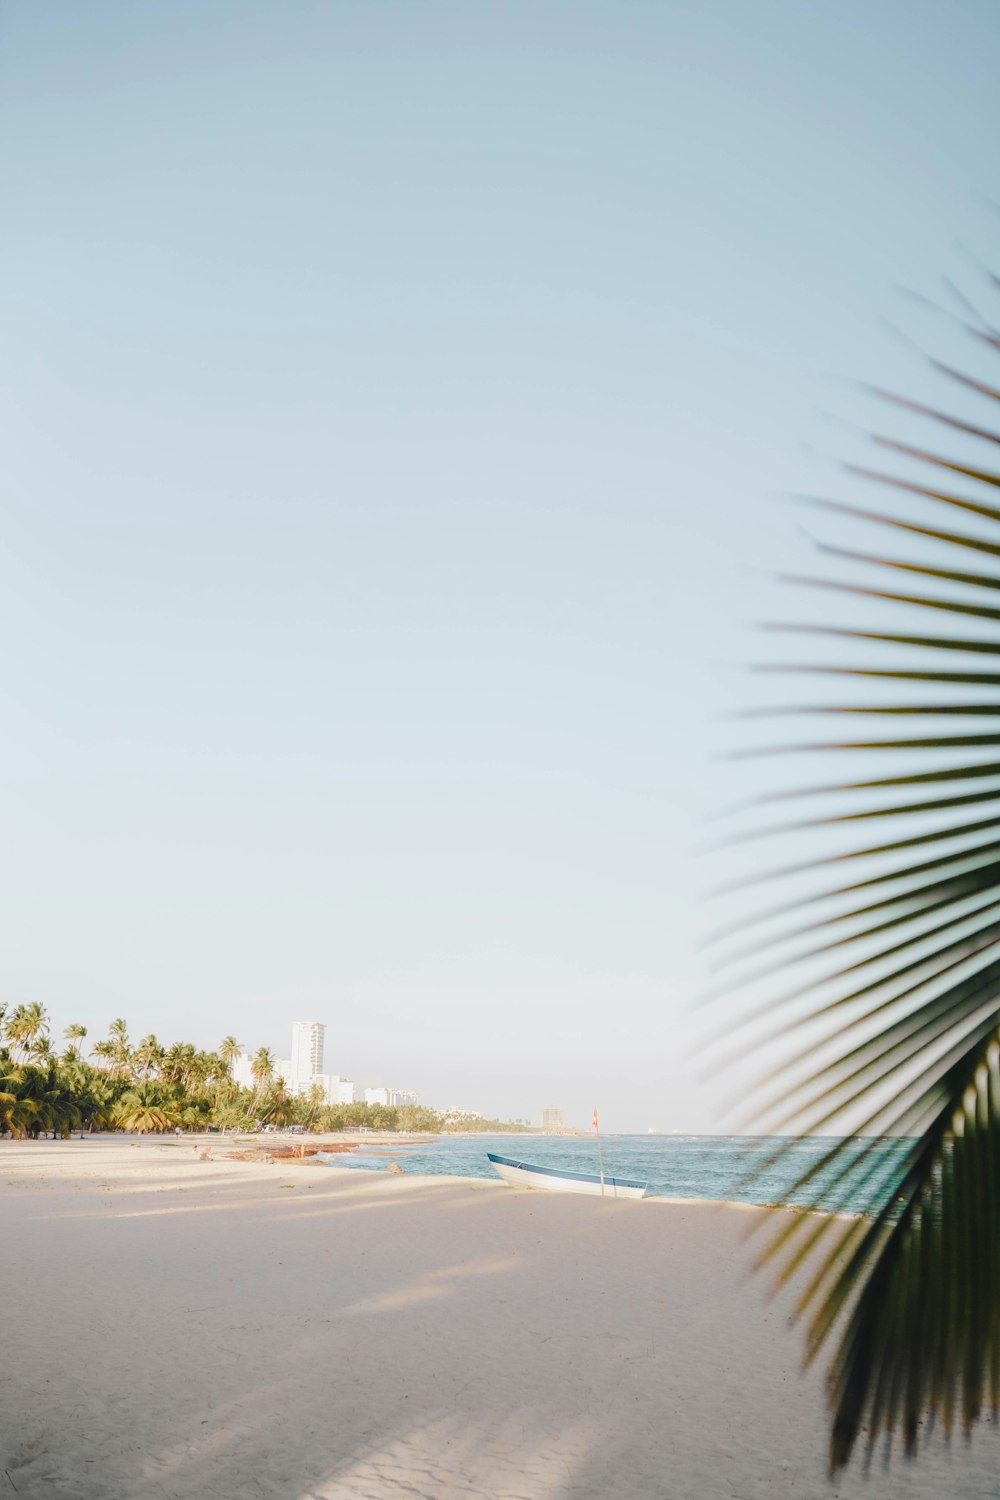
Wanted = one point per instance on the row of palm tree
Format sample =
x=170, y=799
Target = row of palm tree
x=147, y=1087
x=142, y=1087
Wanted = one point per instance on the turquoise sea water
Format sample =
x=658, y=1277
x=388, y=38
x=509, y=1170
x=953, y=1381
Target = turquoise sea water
x=739, y=1168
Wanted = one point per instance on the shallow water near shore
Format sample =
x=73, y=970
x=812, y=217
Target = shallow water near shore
x=740, y=1169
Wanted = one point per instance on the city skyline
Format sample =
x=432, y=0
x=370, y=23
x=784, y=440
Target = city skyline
x=304, y=1069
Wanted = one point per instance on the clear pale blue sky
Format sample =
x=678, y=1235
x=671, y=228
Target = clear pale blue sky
x=393, y=397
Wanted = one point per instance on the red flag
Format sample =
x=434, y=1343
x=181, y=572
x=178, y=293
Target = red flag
x=596, y=1127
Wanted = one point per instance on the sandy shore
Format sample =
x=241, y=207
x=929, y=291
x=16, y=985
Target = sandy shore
x=185, y=1329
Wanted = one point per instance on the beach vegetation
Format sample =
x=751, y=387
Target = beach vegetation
x=75, y=1035
x=149, y=1088
x=145, y=1109
x=229, y=1051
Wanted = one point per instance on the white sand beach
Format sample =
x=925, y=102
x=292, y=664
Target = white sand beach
x=228, y=1330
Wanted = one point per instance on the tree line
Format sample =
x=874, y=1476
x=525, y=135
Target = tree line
x=146, y=1087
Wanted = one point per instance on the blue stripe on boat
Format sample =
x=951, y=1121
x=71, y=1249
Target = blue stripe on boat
x=505, y=1161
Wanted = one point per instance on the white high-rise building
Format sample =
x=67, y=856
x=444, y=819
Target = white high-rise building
x=241, y=1071
x=390, y=1096
x=336, y=1090
x=307, y=1053
x=339, y=1090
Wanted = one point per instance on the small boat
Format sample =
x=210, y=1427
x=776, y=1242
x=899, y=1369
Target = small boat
x=559, y=1180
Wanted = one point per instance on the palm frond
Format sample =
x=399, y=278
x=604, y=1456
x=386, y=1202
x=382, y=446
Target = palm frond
x=891, y=1010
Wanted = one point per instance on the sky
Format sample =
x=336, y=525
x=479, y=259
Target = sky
x=397, y=401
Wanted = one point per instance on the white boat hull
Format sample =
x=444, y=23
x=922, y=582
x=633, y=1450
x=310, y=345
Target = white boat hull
x=548, y=1180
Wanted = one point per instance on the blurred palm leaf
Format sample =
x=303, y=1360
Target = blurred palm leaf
x=898, y=1006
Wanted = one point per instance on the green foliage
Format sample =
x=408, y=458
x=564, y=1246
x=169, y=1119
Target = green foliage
x=279, y=1107
x=418, y=1120
x=35, y=1098
x=146, y=1109
x=16, y=1114
x=149, y=1087
x=898, y=1004
x=230, y=1115
x=477, y=1125
x=141, y=1089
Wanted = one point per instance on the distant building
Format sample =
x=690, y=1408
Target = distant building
x=336, y=1090
x=308, y=1038
x=390, y=1097
x=301, y=1072
x=241, y=1071
x=294, y=1072
x=552, y=1119
x=339, y=1090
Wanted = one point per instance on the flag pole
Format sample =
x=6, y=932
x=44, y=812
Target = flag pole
x=600, y=1157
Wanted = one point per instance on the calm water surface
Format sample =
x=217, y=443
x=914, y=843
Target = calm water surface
x=740, y=1168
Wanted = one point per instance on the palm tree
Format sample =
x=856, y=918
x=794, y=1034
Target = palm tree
x=104, y=1050
x=40, y=1050
x=229, y=1051
x=262, y=1065
x=75, y=1074
x=75, y=1034
x=147, y=1055
x=314, y=1102
x=97, y=1103
x=896, y=1010
x=121, y=1053
x=16, y=1114
x=144, y=1088
x=177, y=1063
x=143, y=1109
x=52, y=1105
x=26, y=1025
x=262, y=1071
x=201, y=1070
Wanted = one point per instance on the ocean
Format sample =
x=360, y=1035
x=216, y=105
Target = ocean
x=743, y=1169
